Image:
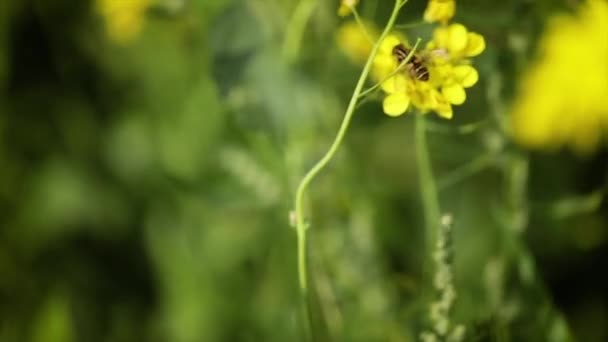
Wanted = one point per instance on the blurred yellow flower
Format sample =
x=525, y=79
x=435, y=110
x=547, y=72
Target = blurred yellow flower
x=563, y=98
x=439, y=11
x=346, y=7
x=124, y=18
x=353, y=42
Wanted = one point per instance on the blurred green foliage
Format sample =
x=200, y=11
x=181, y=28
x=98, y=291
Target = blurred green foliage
x=145, y=188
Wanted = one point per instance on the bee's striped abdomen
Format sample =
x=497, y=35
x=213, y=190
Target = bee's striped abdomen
x=420, y=71
x=400, y=52
x=414, y=65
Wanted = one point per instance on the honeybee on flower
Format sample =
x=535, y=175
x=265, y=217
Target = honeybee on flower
x=436, y=77
x=431, y=79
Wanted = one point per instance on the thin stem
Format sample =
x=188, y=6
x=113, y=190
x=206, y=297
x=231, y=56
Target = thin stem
x=428, y=189
x=361, y=25
x=299, y=205
x=463, y=172
x=395, y=72
x=411, y=25
x=462, y=129
x=295, y=30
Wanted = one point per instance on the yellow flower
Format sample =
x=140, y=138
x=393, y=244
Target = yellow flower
x=452, y=73
x=401, y=88
x=563, y=98
x=124, y=18
x=457, y=42
x=353, y=42
x=346, y=7
x=455, y=79
x=446, y=60
x=384, y=62
x=439, y=11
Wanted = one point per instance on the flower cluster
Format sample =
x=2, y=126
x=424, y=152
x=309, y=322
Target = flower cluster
x=562, y=99
x=124, y=18
x=446, y=58
x=445, y=62
x=440, y=11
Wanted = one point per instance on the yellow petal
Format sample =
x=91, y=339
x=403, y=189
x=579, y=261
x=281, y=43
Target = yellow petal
x=395, y=104
x=395, y=84
x=352, y=41
x=439, y=10
x=389, y=43
x=384, y=65
x=445, y=111
x=458, y=37
x=422, y=95
x=466, y=75
x=442, y=107
x=439, y=73
x=475, y=44
x=441, y=36
x=454, y=93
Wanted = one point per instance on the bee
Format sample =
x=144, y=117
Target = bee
x=415, y=65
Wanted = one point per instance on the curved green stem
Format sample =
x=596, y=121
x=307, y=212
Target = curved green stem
x=299, y=205
x=428, y=189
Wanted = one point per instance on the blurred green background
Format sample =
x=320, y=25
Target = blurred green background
x=145, y=183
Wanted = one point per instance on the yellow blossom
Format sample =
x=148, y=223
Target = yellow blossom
x=384, y=62
x=450, y=71
x=446, y=58
x=439, y=11
x=455, y=79
x=457, y=41
x=124, y=18
x=562, y=99
x=353, y=42
x=453, y=72
x=401, y=88
x=346, y=7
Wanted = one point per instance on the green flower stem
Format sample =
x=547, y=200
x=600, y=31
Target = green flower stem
x=299, y=205
x=428, y=189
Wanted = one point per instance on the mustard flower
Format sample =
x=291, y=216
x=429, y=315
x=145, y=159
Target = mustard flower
x=124, y=18
x=353, y=42
x=346, y=7
x=447, y=59
x=402, y=88
x=454, y=45
x=562, y=100
x=457, y=42
x=439, y=11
